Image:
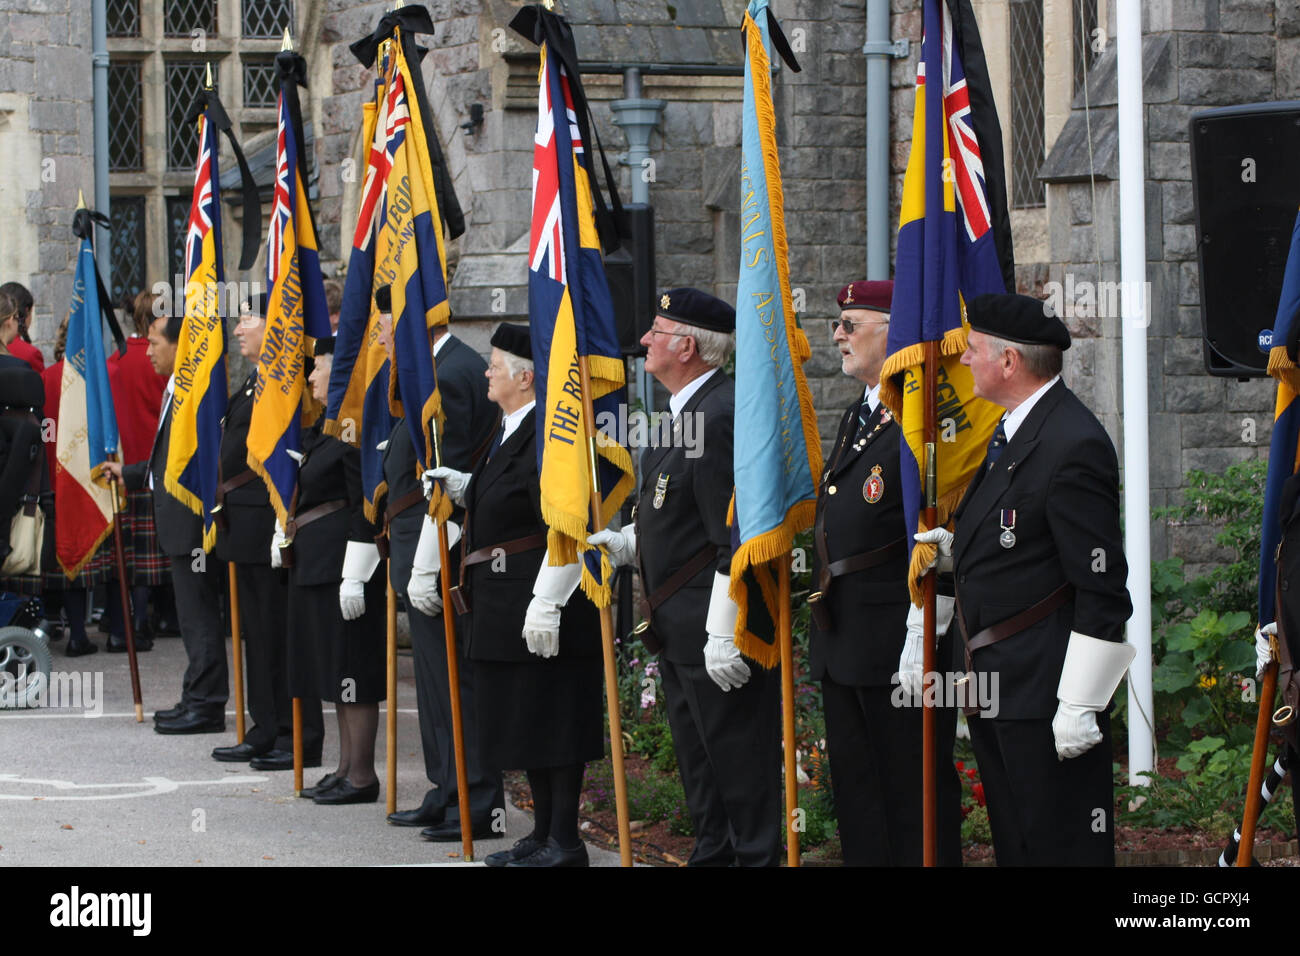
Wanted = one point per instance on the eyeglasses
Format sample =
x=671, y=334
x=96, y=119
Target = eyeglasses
x=666, y=332
x=849, y=325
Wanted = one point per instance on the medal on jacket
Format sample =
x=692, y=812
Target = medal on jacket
x=661, y=489
x=873, y=489
x=1008, y=521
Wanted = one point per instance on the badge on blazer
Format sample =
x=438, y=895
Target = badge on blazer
x=873, y=489
x=661, y=489
x=1007, y=519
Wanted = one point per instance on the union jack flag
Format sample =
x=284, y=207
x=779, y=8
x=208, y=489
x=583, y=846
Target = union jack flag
x=280, y=212
x=201, y=206
x=390, y=131
x=546, y=242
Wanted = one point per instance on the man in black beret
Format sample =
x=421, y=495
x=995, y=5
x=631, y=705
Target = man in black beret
x=860, y=617
x=1041, y=596
x=724, y=714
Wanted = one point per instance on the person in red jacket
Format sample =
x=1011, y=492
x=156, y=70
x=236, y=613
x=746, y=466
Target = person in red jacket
x=21, y=347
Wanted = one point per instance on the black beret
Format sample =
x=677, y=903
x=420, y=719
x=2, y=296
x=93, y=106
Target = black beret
x=1017, y=318
x=384, y=298
x=325, y=345
x=696, y=308
x=877, y=294
x=255, y=305
x=513, y=339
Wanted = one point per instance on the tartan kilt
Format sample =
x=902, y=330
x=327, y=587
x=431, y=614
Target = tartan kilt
x=100, y=569
x=149, y=566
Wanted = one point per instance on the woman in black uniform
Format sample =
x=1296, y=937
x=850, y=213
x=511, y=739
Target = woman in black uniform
x=534, y=641
x=336, y=602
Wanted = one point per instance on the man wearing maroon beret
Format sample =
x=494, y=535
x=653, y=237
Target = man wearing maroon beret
x=860, y=616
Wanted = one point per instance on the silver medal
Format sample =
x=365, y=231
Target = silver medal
x=1007, y=539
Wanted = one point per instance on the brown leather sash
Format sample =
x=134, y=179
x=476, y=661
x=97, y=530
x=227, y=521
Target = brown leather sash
x=1009, y=627
x=460, y=593
x=853, y=563
x=299, y=521
x=676, y=581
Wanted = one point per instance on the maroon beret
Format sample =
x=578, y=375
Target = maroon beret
x=877, y=294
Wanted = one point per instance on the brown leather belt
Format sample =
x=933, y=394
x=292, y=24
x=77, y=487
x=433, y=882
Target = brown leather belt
x=849, y=565
x=410, y=500
x=1009, y=627
x=460, y=593
x=677, y=580
x=299, y=521
x=223, y=489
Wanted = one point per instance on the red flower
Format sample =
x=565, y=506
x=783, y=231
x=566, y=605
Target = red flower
x=970, y=774
x=978, y=792
x=960, y=766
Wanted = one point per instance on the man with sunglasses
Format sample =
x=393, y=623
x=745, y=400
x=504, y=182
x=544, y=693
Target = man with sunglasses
x=861, y=615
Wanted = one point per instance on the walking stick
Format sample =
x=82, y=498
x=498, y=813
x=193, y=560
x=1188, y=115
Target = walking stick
x=297, y=746
x=128, y=621
x=929, y=802
x=787, y=711
x=390, y=742
x=236, y=653
x=1254, y=805
x=607, y=636
x=1271, y=783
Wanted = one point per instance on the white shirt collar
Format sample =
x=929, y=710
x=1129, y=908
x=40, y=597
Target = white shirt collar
x=512, y=421
x=442, y=340
x=1012, y=421
x=872, y=397
x=677, y=402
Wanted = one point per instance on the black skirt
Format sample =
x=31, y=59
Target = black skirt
x=540, y=713
x=333, y=659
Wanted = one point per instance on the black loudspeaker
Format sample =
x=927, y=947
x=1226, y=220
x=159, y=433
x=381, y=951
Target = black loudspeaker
x=1246, y=191
x=631, y=274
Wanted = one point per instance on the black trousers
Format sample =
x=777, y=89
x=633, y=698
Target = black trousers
x=205, y=686
x=728, y=749
x=876, y=753
x=1045, y=811
x=264, y=623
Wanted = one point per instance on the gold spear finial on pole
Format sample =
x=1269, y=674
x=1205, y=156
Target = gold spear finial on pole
x=207, y=75
x=81, y=199
x=549, y=4
x=287, y=43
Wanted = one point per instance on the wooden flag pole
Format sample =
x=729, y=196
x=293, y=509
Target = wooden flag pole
x=930, y=515
x=607, y=635
x=391, y=697
x=128, y=620
x=236, y=653
x=297, y=746
x=784, y=635
x=1258, y=758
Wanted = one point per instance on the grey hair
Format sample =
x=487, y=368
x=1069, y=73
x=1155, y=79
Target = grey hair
x=516, y=363
x=1040, y=361
x=713, y=347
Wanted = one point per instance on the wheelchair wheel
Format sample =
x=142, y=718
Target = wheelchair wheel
x=25, y=663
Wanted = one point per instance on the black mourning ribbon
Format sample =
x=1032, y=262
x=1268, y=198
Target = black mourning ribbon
x=84, y=222
x=778, y=40
x=208, y=101
x=415, y=19
x=540, y=25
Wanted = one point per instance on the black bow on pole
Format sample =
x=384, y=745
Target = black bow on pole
x=291, y=72
x=779, y=41
x=415, y=19
x=542, y=26
x=84, y=221
x=208, y=101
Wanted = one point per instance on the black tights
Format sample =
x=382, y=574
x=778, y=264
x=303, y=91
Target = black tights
x=358, y=726
x=74, y=607
x=556, y=791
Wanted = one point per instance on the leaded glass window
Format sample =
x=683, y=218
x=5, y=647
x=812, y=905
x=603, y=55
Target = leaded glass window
x=267, y=18
x=1085, y=22
x=124, y=152
x=123, y=18
x=178, y=217
x=126, y=214
x=1027, y=107
x=183, y=17
x=259, y=84
x=184, y=81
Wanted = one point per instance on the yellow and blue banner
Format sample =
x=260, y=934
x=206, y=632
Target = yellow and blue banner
x=87, y=430
x=200, y=387
x=777, y=454
x=296, y=312
x=953, y=244
x=571, y=315
x=1284, y=447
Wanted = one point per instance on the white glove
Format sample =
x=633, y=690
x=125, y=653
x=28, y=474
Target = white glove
x=551, y=591
x=619, y=545
x=942, y=538
x=422, y=590
x=911, y=663
x=278, y=541
x=1263, y=649
x=455, y=482
x=1092, y=670
x=722, y=658
x=359, y=563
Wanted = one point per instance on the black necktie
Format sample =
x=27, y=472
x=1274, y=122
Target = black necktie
x=864, y=412
x=996, y=446
x=496, y=442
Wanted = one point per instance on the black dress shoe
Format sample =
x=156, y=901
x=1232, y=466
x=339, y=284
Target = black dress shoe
x=171, y=713
x=419, y=817
x=520, y=851
x=192, y=722
x=343, y=792
x=80, y=649
x=239, y=753
x=553, y=855
x=449, y=832
x=281, y=760
x=117, y=645
x=326, y=782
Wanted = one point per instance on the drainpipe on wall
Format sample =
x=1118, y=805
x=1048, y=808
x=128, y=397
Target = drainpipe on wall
x=99, y=40
x=879, y=50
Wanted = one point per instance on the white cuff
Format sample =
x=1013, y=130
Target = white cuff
x=1093, y=669
x=557, y=584
x=943, y=611
x=721, y=620
x=360, y=560
x=427, y=555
